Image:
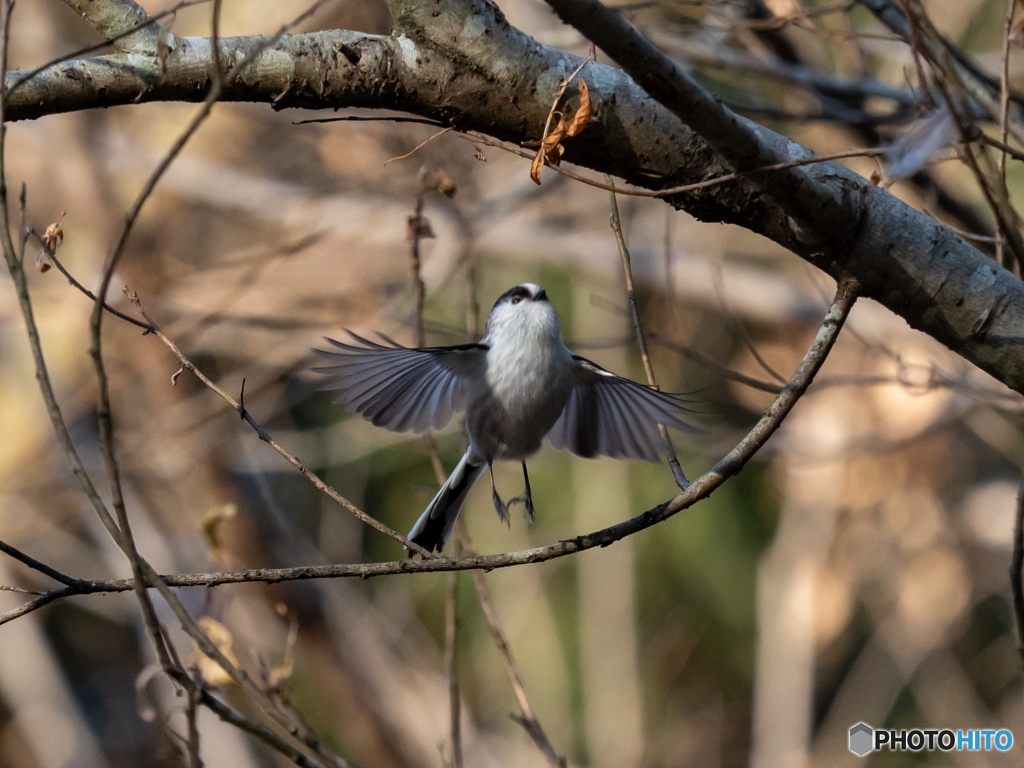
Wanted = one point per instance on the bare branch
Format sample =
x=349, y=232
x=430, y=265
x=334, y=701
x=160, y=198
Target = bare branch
x=701, y=488
x=627, y=268
x=31, y=562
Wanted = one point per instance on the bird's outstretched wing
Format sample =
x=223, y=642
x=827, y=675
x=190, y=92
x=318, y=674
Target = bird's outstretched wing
x=612, y=416
x=399, y=388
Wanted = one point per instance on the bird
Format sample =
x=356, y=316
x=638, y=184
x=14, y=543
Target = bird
x=517, y=386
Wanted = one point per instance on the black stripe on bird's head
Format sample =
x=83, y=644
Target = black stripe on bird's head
x=523, y=292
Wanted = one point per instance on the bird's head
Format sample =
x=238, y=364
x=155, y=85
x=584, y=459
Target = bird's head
x=526, y=310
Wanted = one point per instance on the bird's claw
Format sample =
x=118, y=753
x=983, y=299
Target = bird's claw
x=527, y=501
x=501, y=508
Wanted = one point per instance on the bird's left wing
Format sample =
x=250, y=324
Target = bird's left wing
x=611, y=416
x=399, y=388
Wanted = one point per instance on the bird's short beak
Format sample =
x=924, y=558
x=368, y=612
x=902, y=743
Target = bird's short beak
x=542, y=295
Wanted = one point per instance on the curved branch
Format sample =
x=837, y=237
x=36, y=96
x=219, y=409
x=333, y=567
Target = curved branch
x=701, y=488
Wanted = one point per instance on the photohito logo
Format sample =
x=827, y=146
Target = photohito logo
x=865, y=739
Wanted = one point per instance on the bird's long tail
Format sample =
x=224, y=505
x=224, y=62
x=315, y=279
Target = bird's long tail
x=435, y=524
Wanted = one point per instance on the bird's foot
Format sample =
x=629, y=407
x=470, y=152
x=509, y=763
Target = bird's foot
x=527, y=501
x=501, y=507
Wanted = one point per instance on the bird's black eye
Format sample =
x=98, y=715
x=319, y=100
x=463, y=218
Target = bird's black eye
x=516, y=300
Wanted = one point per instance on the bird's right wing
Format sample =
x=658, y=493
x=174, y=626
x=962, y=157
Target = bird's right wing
x=400, y=388
x=612, y=416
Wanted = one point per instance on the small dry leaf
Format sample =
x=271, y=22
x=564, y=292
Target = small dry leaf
x=418, y=227
x=212, y=672
x=439, y=181
x=54, y=235
x=583, y=113
x=876, y=177
x=554, y=138
x=43, y=263
x=212, y=521
x=536, y=165
x=789, y=10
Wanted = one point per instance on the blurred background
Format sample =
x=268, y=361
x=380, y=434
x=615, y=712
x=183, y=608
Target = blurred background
x=855, y=571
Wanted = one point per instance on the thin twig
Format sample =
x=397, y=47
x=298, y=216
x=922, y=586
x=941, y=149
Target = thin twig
x=1016, y=566
x=56, y=262
x=451, y=663
x=480, y=138
x=31, y=562
x=771, y=419
x=1004, y=108
x=265, y=437
x=370, y=119
x=741, y=330
x=528, y=719
x=627, y=268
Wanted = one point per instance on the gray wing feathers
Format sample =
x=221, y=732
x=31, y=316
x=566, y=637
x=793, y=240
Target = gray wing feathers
x=401, y=389
x=608, y=415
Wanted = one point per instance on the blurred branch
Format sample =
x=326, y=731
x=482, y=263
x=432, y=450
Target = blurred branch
x=634, y=310
x=981, y=86
x=451, y=664
x=528, y=719
x=701, y=488
x=1016, y=568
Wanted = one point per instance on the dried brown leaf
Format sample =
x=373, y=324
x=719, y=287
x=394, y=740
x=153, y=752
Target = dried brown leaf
x=538, y=163
x=554, y=138
x=583, y=113
x=43, y=263
x=418, y=227
x=54, y=235
x=439, y=181
x=212, y=521
x=212, y=672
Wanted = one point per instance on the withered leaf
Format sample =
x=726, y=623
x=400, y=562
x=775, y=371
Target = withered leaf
x=418, y=227
x=54, y=235
x=212, y=672
x=211, y=530
x=538, y=163
x=554, y=138
x=583, y=114
x=439, y=181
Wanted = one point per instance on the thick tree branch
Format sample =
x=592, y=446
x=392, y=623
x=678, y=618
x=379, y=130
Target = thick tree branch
x=468, y=67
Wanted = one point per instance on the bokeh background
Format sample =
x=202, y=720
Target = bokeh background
x=855, y=571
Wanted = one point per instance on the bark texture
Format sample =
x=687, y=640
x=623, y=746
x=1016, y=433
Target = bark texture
x=462, y=63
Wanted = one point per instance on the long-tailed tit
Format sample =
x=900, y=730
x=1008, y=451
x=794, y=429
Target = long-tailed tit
x=519, y=385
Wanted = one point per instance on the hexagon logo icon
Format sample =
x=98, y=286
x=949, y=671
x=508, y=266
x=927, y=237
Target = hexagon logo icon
x=861, y=739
